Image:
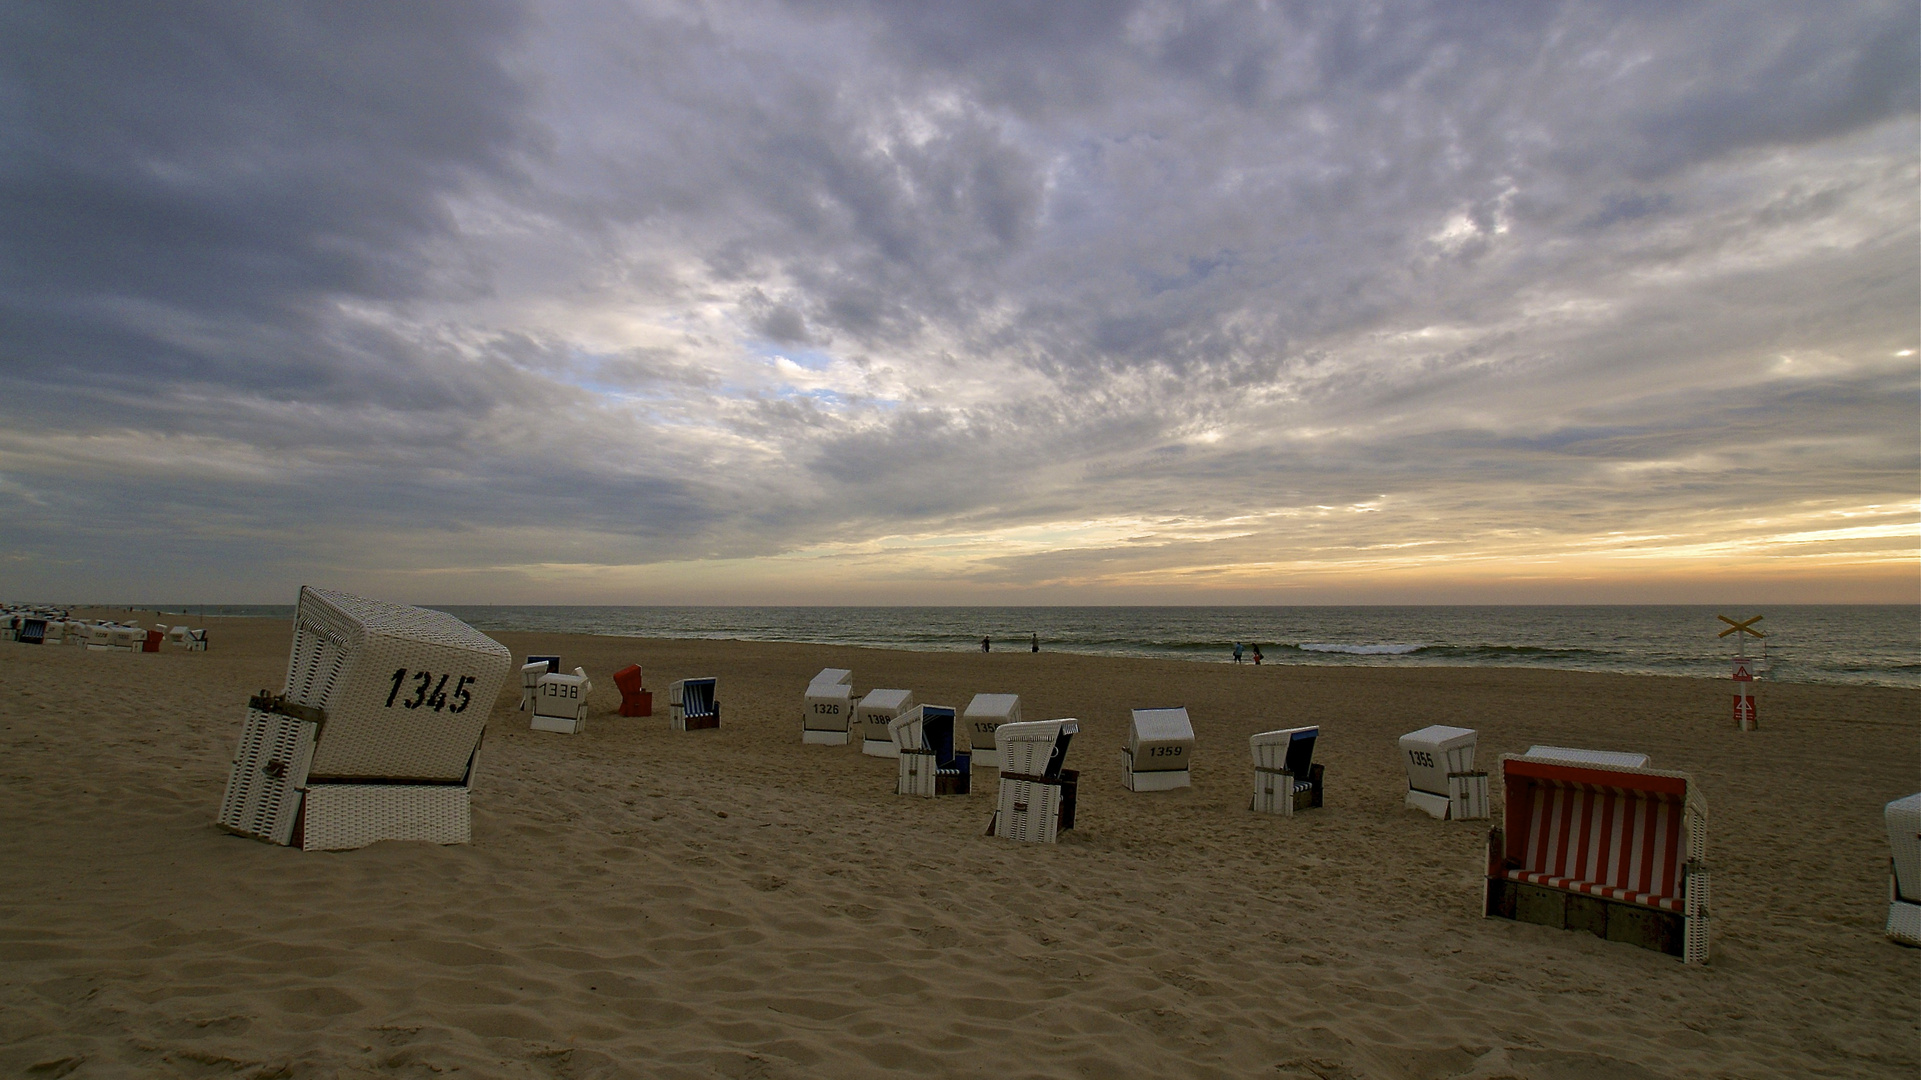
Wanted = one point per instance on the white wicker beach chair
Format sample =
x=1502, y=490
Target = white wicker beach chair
x=1286, y=779
x=827, y=709
x=984, y=716
x=1904, y=870
x=560, y=702
x=376, y=733
x=1037, y=793
x=693, y=704
x=1617, y=850
x=530, y=673
x=1159, y=750
x=933, y=757
x=196, y=641
x=874, y=713
x=1440, y=773
x=177, y=637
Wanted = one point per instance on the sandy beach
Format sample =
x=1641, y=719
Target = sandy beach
x=639, y=902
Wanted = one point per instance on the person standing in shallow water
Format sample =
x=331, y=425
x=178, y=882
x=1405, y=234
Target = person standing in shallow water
x=987, y=645
x=1257, y=656
x=1037, y=642
x=1237, y=652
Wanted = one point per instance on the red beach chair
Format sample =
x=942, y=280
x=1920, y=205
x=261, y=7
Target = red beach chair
x=633, y=700
x=1616, y=850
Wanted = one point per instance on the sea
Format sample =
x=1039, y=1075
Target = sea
x=1875, y=645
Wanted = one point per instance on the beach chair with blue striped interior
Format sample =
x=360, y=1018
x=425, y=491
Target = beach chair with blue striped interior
x=827, y=708
x=1597, y=841
x=933, y=757
x=376, y=732
x=1159, y=750
x=1904, y=869
x=560, y=702
x=1038, y=793
x=693, y=704
x=1286, y=779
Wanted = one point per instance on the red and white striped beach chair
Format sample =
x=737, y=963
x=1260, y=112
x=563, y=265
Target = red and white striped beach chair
x=1616, y=850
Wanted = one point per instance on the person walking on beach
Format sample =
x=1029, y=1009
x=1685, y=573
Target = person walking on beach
x=987, y=645
x=1237, y=652
x=1257, y=656
x=1037, y=642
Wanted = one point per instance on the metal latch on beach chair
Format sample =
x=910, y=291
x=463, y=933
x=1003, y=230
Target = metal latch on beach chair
x=277, y=703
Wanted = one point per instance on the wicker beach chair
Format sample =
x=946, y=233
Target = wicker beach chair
x=530, y=673
x=1440, y=773
x=874, y=713
x=983, y=717
x=1286, y=779
x=1617, y=850
x=1159, y=750
x=933, y=757
x=1037, y=793
x=693, y=704
x=635, y=700
x=827, y=708
x=1904, y=870
x=375, y=734
x=560, y=702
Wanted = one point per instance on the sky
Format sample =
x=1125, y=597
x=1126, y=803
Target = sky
x=971, y=302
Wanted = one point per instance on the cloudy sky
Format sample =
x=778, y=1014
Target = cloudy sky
x=968, y=302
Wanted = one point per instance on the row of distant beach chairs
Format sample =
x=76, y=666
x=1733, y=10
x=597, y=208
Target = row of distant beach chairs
x=376, y=736
x=99, y=635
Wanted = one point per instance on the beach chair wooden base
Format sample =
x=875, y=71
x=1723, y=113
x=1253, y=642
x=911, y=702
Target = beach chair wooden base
x=338, y=817
x=915, y=774
x=1904, y=922
x=680, y=721
x=639, y=703
x=1466, y=799
x=1158, y=780
x=1680, y=931
x=1033, y=809
x=1438, y=807
x=1276, y=791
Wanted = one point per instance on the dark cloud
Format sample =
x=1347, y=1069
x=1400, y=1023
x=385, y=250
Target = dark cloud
x=1065, y=292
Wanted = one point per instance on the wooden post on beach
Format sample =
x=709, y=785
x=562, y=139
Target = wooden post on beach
x=1746, y=716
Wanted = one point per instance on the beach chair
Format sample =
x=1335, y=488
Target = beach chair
x=827, y=712
x=196, y=641
x=1440, y=773
x=1037, y=793
x=1159, y=750
x=1617, y=850
x=984, y=716
x=934, y=757
x=153, y=641
x=31, y=632
x=177, y=636
x=1286, y=779
x=1904, y=870
x=376, y=732
x=634, y=699
x=693, y=704
x=560, y=702
x=874, y=713
x=530, y=673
